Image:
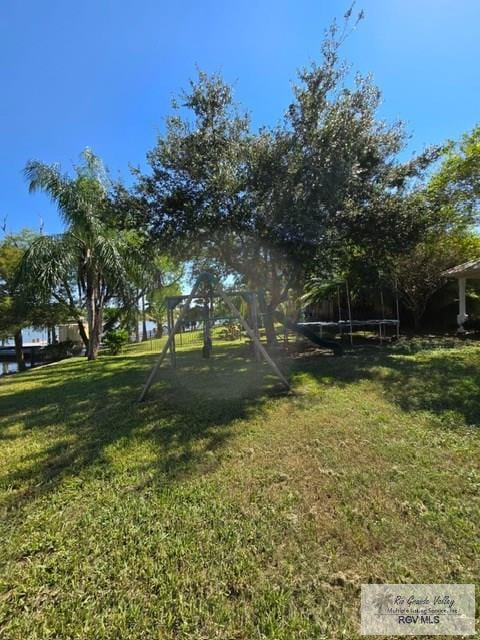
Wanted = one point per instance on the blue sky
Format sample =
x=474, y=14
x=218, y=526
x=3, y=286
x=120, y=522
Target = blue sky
x=101, y=73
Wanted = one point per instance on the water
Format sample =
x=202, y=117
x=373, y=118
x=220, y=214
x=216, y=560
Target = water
x=30, y=336
x=9, y=367
x=40, y=336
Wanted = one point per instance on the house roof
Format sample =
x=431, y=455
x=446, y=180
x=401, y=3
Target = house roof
x=466, y=270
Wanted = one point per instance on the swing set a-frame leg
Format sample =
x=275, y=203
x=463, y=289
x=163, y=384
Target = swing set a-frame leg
x=253, y=337
x=161, y=357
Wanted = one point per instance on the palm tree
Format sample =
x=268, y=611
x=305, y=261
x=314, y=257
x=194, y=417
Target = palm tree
x=87, y=265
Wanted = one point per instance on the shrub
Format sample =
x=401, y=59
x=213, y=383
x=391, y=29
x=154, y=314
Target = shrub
x=231, y=331
x=60, y=350
x=115, y=340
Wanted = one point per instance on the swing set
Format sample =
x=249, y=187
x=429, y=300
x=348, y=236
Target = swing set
x=207, y=288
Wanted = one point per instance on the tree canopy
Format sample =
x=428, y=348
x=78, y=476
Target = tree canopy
x=274, y=206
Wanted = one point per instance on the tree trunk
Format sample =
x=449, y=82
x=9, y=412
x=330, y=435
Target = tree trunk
x=92, y=347
x=144, y=321
x=83, y=333
x=96, y=334
x=269, y=325
x=417, y=309
x=267, y=318
x=417, y=318
x=18, y=338
x=4, y=363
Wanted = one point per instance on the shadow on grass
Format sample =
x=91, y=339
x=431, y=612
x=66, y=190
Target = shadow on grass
x=445, y=383
x=63, y=420
x=74, y=411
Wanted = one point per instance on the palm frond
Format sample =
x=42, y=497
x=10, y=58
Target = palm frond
x=93, y=168
x=47, y=263
x=317, y=289
x=110, y=254
x=80, y=200
x=60, y=188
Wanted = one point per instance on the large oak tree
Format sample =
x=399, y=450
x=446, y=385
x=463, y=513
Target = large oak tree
x=273, y=206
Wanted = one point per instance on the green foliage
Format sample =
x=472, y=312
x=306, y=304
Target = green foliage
x=455, y=187
x=435, y=232
x=419, y=273
x=271, y=207
x=95, y=259
x=11, y=316
x=21, y=305
x=198, y=166
x=61, y=350
x=166, y=283
x=115, y=340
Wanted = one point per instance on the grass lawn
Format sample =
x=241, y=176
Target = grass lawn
x=225, y=508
